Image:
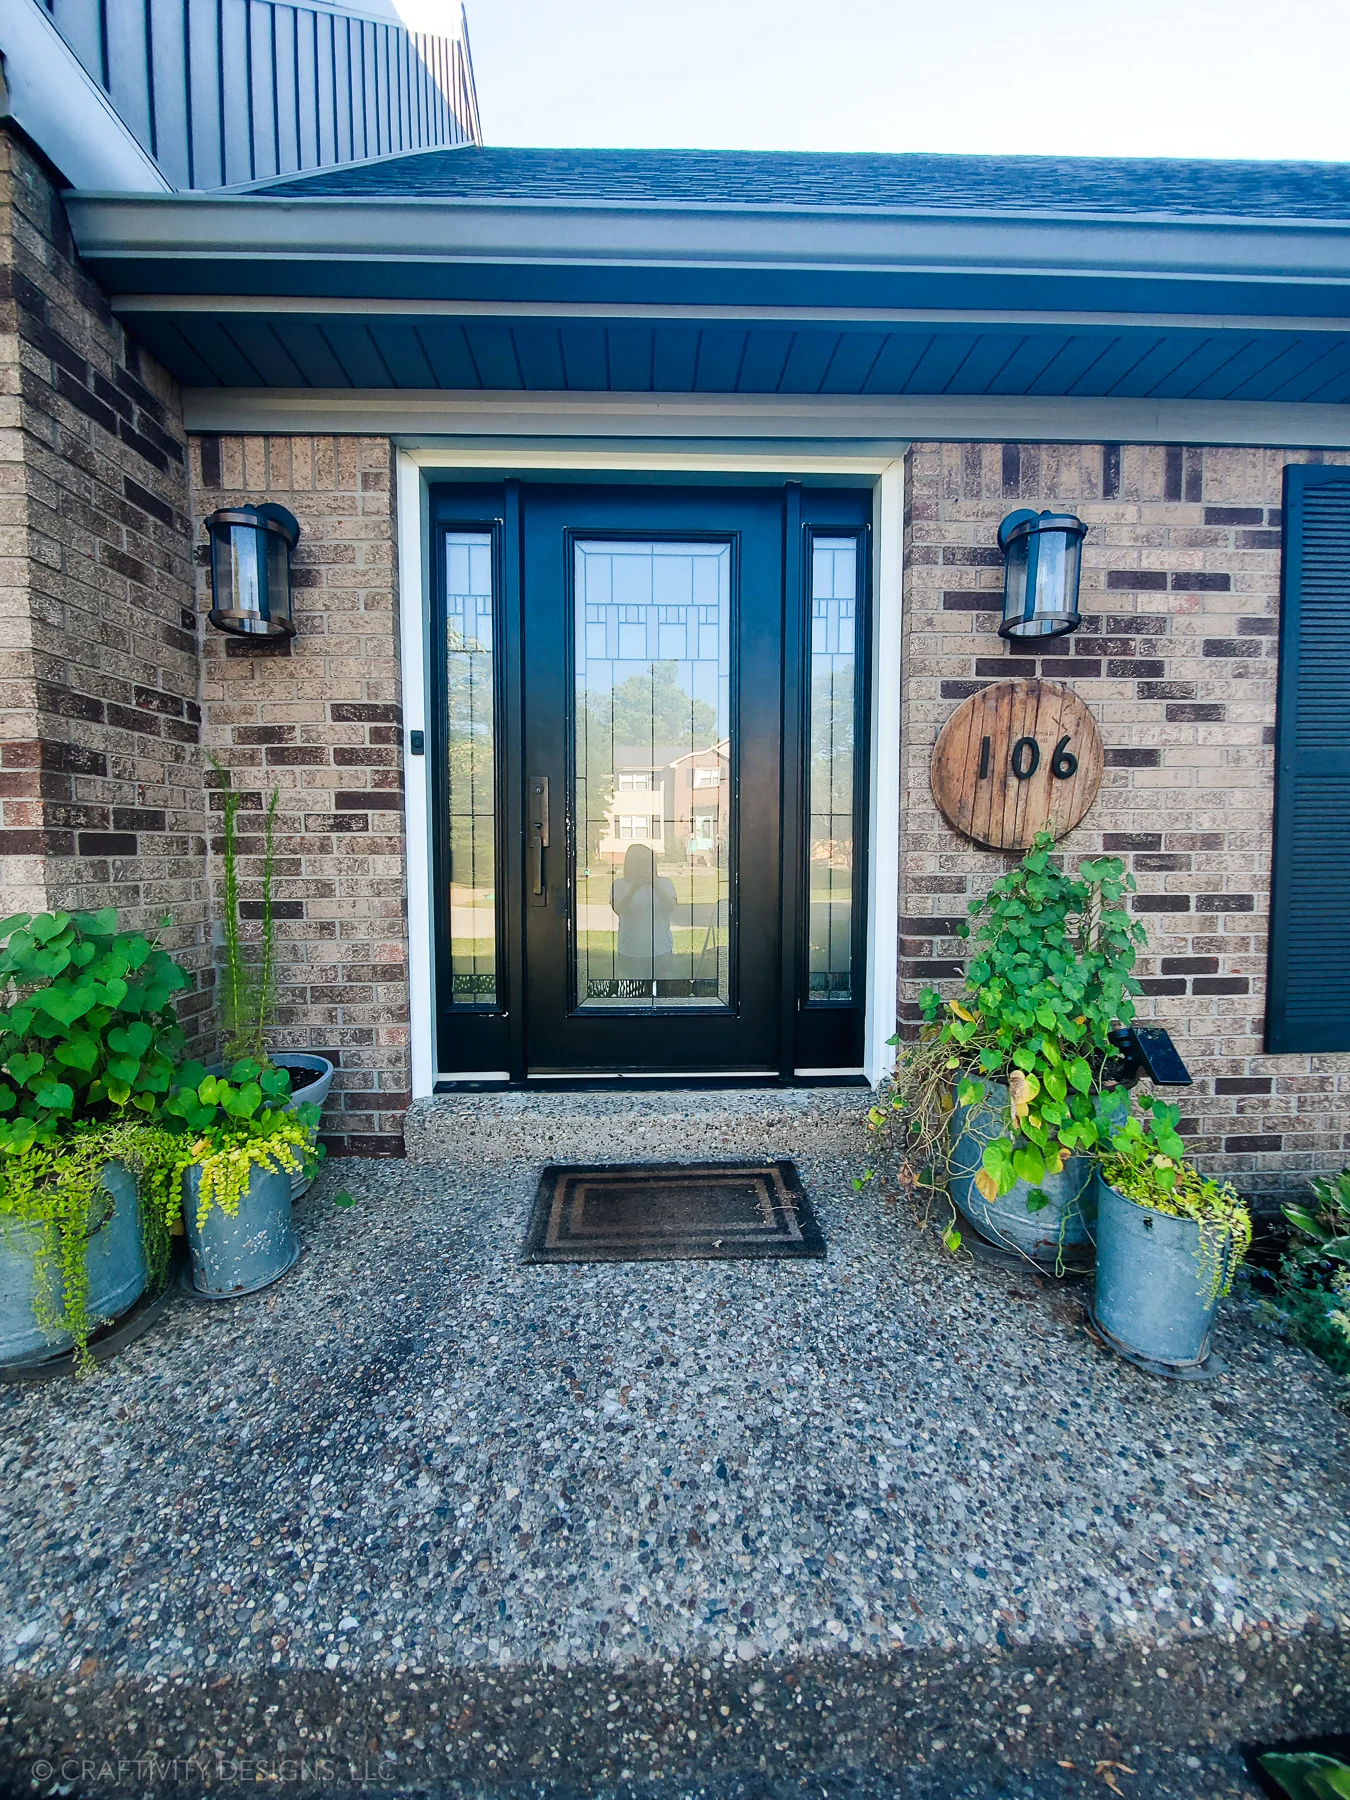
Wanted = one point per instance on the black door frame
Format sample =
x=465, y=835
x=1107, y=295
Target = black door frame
x=811, y=1034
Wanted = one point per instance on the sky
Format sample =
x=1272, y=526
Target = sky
x=1228, y=78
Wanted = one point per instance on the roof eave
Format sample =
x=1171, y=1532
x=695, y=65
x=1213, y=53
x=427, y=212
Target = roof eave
x=167, y=244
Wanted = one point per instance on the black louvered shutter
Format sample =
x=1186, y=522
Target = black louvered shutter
x=1308, y=1008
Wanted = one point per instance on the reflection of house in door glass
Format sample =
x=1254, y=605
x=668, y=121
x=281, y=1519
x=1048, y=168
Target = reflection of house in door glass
x=681, y=802
x=652, y=759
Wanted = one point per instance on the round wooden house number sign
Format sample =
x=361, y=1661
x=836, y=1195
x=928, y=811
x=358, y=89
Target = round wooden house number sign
x=1017, y=758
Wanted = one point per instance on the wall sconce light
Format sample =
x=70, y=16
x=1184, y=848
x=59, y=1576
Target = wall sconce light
x=251, y=570
x=1042, y=553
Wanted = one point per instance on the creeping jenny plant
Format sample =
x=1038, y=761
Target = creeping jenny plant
x=236, y=1123
x=1048, y=977
x=88, y=1041
x=1145, y=1160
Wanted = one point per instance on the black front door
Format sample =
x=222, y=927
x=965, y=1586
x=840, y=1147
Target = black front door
x=651, y=941
x=650, y=778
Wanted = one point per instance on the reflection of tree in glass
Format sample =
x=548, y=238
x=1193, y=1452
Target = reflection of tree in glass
x=831, y=787
x=650, y=709
x=469, y=758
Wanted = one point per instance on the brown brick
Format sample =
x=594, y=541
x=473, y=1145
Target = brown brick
x=1230, y=647
x=1141, y=580
x=1201, y=581
x=344, y=712
x=1201, y=712
x=107, y=843
x=1118, y=842
x=294, y=756
x=1132, y=758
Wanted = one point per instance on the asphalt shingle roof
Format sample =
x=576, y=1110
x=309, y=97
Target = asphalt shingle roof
x=1134, y=186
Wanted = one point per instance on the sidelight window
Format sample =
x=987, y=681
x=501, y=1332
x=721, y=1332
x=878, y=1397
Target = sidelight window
x=471, y=766
x=831, y=773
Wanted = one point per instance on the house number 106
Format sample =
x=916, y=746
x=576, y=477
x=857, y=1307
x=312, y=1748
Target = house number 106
x=1026, y=759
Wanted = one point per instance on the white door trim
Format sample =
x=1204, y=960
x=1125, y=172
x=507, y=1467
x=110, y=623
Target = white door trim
x=415, y=468
x=413, y=623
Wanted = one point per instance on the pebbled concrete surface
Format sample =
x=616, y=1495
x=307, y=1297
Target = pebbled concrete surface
x=888, y=1523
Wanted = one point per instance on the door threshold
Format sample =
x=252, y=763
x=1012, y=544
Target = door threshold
x=591, y=1083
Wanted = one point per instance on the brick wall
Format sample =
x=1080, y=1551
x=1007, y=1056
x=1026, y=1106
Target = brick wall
x=319, y=719
x=100, y=780
x=1177, y=659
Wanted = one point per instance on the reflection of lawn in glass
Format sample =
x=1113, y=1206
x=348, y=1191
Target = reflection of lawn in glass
x=689, y=940
x=693, y=887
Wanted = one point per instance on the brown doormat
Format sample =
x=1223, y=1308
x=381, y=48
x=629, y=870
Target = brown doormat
x=671, y=1212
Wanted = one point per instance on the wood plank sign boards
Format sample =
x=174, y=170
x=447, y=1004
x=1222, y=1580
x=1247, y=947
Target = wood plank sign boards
x=1017, y=758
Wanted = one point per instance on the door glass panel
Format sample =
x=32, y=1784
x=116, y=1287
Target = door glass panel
x=471, y=785
x=653, y=759
x=830, y=768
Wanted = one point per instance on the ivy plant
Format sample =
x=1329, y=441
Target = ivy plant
x=1048, y=976
x=235, y=1122
x=87, y=1030
x=1144, y=1158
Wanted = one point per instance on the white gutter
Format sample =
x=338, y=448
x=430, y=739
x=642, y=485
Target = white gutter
x=408, y=231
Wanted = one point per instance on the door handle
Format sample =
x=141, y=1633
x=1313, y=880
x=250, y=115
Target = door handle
x=538, y=830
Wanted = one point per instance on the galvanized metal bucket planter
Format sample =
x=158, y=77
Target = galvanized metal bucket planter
x=1049, y=1236
x=1151, y=1304
x=115, y=1258
x=311, y=1078
x=232, y=1257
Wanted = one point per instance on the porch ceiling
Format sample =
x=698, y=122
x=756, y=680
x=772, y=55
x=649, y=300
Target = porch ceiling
x=377, y=349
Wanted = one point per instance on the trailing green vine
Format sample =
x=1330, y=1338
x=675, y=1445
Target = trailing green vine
x=52, y=1189
x=226, y=1160
x=1048, y=977
x=1146, y=1162
x=236, y=1123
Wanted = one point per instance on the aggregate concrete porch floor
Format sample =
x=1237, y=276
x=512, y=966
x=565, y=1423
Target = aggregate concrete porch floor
x=438, y=1523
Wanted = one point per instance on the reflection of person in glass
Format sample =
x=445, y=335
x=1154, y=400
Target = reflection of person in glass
x=645, y=903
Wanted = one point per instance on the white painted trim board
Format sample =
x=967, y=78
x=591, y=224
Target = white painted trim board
x=886, y=475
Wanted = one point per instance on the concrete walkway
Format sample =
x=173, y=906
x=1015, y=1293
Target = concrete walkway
x=427, y=1520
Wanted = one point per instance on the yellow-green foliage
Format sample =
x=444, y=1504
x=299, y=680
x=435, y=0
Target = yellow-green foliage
x=54, y=1187
x=1147, y=1164
x=226, y=1159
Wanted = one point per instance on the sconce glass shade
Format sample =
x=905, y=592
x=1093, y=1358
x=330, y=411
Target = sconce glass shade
x=1041, y=557
x=251, y=570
